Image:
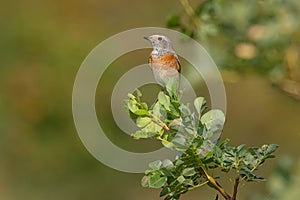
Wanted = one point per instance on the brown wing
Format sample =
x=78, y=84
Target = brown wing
x=150, y=61
x=178, y=64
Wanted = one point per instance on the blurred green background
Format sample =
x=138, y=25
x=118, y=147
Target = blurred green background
x=42, y=44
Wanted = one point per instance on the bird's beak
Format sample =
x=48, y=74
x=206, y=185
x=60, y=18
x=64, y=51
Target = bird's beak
x=145, y=37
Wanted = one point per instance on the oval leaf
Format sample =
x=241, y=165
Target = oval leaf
x=164, y=100
x=141, y=112
x=143, y=121
x=181, y=179
x=189, y=171
x=157, y=181
x=168, y=164
x=199, y=103
x=155, y=165
x=213, y=121
x=145, y=181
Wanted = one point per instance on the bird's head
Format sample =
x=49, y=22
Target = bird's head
x=160, y=42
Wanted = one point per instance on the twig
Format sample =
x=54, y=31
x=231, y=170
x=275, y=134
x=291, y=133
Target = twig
x=196, y=186
x=256, y=166
x=161, y=124
x=252, y=170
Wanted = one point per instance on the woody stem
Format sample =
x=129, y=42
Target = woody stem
x=216, y=185
x=236, y=184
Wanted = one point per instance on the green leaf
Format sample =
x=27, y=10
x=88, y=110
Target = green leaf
x=189, y=171
x=249, y=177
x=197, y=142
x=188, y=182
x=181, y=179
x=184, y=110
x=240, y=148
x=206, y=149
x=179, y=162
x=249, y=160
x=131, y=96
x=164, y=100
x=157, y=181
x=168, y=144
x=143, y=121
x=138, y=93
x=272, y=148
x=175, y=103
x=214, y=121
x=166, y=190
x=213, y=118
x=217, y=152
x=141, y=112
x=167, y=164
x=199, y=103
x=145, y=181
x=132, y=105
x=155, y=165
x=223, y=144
x=158, y=111
x=152, y=128
x=172, y=87
x=179, y=142
x=144, y=106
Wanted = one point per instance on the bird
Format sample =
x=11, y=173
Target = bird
x=163, y=60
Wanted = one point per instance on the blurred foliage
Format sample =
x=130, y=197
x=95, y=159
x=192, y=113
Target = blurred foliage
x=196, y=139
x=284, y=181
x=248, y=36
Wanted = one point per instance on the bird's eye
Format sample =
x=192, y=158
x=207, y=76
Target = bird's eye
x=159, y=38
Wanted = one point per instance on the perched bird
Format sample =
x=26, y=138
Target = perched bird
x=163, y=60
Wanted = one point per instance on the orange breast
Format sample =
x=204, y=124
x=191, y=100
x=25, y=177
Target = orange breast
x=167, y=61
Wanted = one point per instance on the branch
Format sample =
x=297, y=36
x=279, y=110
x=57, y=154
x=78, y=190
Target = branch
x=216, y=185
x=236, y=184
